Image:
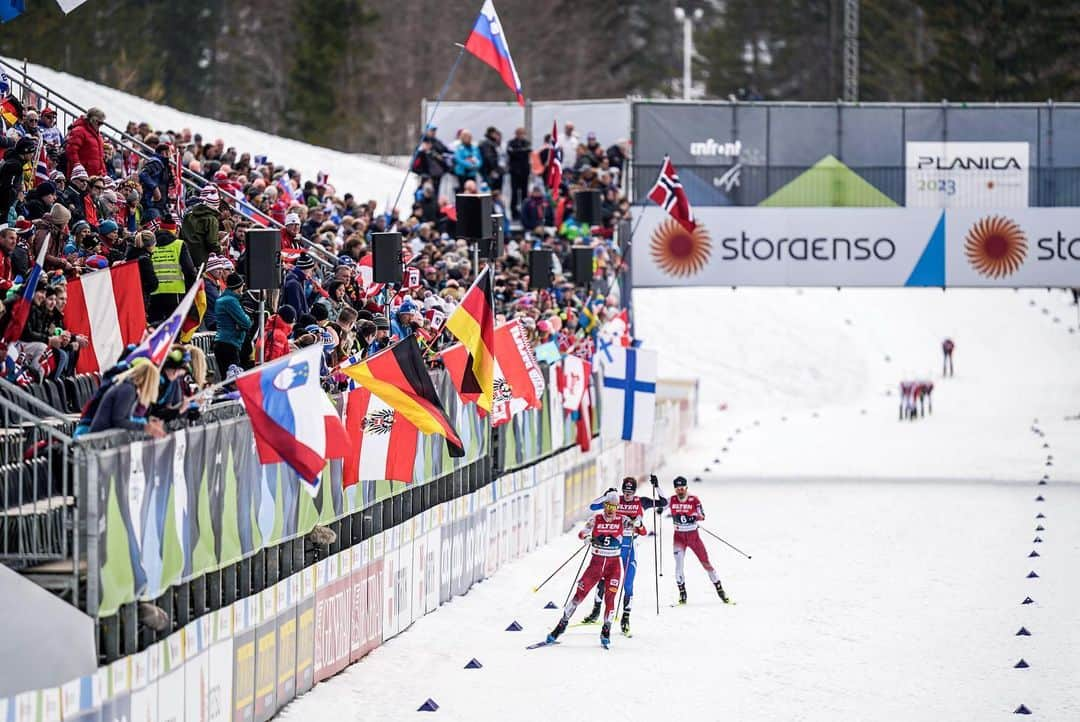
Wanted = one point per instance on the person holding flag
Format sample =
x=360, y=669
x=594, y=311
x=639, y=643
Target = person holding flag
x=473, y=323
x=669, y=194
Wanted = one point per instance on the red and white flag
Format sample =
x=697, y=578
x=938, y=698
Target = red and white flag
x=383, y=441
x=107, y=307
x=553, y=170
x=668, y=193
x=574, y=375
x=367, y=277
x=519, y=383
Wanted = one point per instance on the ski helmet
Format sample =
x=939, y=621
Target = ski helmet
x=629, y=485
x=680, y=481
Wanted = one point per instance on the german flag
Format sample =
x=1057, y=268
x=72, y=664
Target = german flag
x=397, y=376
x=11, y=110
x=473, y=323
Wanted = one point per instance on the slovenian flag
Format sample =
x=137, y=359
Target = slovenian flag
x=291, y=416
x=488, y=42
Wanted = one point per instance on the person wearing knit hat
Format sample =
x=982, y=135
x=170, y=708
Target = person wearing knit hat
x=305, y=261
x=233, y=323
x=209, y=195
x=108, y=227
x=216, y=271
x=382, y=335
x=292, y=219
x=278, y=329
x=201, y=226
x=79, y=173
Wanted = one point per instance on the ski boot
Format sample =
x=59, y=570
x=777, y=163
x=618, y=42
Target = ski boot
x=594, y=615
x=605, y=635
x=559, y=629
x=720, y=591
x=682, y=594
x=624, y=623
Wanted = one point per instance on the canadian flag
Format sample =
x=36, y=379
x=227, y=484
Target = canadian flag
x=107, y=308
x=384, y=442
x=668, y=193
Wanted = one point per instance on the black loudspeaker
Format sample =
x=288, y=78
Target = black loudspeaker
x=473, y=216
x=493, y=248
x=583, y=265
x=386, y=257
x=262, y=267
x=540, y=269
x=587, y=207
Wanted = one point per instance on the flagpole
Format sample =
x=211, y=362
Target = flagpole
x=427, y=122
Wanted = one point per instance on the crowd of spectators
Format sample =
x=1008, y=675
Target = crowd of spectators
x=98, y=203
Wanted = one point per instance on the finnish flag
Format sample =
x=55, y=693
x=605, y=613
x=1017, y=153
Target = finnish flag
x=628, y=395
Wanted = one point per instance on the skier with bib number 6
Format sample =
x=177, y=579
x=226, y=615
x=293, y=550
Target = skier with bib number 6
x=686, y=512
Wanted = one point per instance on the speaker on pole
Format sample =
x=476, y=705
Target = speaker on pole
x=386, y=257
x=540, y=269
x=583, y=265
x=587, y=207
x=262, y=265
x=493, y=248
x=473, y=216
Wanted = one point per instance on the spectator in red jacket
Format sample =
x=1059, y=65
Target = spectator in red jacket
x=84, y=144
x=277, y=333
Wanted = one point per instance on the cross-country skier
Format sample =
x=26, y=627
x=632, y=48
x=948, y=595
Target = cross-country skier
x=686, y=511
x=947, y=347
x=632, y=506
x=606, y=530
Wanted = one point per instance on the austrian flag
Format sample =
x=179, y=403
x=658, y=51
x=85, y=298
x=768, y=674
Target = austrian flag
x=668, y=193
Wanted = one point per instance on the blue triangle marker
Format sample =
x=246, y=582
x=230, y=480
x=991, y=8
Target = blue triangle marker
x=1040, y=498
x=930, y=269
x=1032, y=575
x=1040, y=527
x=550, y=605
x=1040, y=515
x=1033, y=554
x=428, y=706
x=1028, y=600
x=1042, y=482
x=474, y=663
x=514, y=627
x=1037, y=540
x=1023, y=632
x=1021, y=664
x=1021, y=710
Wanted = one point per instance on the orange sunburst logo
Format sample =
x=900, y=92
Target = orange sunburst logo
x=679, y=252
x=996, y=246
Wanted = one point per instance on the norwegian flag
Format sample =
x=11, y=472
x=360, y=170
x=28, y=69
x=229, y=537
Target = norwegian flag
x=41, y=166
x=553, y=170
x=668, y=193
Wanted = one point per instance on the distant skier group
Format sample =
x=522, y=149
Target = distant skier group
x=916, y=397
x=611, y=535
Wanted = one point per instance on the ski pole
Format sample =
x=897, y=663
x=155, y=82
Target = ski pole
x=726, y=542
x=578, y=574
x=569, y=559
x=656, y=554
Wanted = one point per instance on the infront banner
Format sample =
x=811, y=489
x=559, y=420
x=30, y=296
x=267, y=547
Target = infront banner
x=965, y=174
x=881, y=247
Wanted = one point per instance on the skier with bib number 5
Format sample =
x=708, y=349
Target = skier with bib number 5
x=632, y=507
x=605, y=531
x=686, y=512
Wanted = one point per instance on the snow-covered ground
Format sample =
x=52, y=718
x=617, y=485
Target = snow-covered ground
x=890, y=560
x=362, y=175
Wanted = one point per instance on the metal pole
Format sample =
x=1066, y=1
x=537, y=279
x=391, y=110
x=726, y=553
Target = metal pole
x=262, y=325
x=688, y=43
